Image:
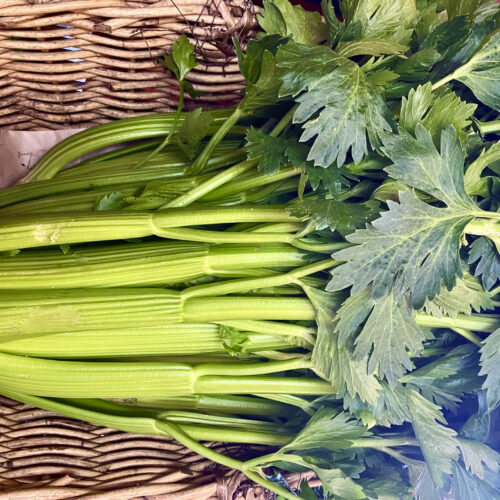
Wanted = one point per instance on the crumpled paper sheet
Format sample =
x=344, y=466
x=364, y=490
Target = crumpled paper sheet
x=20, y=150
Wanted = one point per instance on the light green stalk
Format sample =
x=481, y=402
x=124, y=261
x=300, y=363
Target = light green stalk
x=84, y=379
x=142, y=264
x=37, y=312
x=27, y=230
x=165, y=340
x=41, y=189
x=101, y=136
x=236, y=405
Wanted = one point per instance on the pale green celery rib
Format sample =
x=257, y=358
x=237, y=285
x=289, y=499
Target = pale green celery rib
x=141, y=421
x=30, y=313
x=186, y=417
x=149, y=263
x=140, y=195
x=101, y=136
x=77, y=379
x=79, y=201
x=165, y=340
x=128, y=163
x=30, y=230
x=250, y=182
x=40, y=189
x=236, y=405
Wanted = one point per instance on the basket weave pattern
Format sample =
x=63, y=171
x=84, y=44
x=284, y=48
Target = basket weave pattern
x=70, y=63
x=44, y=456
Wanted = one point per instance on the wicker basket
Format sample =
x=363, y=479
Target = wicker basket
x=67, y=63
x=44, y=456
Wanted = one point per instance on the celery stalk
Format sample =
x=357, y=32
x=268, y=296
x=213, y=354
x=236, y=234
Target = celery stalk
x=78, y=379
x=101, y=136
x=148, y=263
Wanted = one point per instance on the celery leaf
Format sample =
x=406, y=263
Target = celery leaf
x=258, y=67
x=467, y=296
x=382, y=19
x=388, y=334
x=194, y=128
x=413, y=246
x=333, y=362
x=490, y=367
x=482, y=72
x=338, y=106
x=334, y=214
x=484, y=253
x=477, y=456
x=327, y=429
x=438, y=443
x=282, y=18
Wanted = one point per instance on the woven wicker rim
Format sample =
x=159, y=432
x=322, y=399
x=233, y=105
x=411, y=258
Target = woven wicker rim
x=82, y=62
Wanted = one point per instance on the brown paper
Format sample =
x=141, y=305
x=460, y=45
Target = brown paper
x=20, y=150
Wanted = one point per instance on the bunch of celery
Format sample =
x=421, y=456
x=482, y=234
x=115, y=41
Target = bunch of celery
x=315, y=270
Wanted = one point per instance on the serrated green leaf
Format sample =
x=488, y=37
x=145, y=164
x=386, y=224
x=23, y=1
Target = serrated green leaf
x=484, y=253
x=387, y=336
x=370, y=47
x=250, y=62
x=446, y=379
x=382, y=19
x=331, y=20
x=482, y=72
x=294, y=21
x=271, y=151
x=258, y=67
x=391, y=407
x=461, y=51
x=448, y=109
x=181, y=60
x=264, y=91
x=467, y=296
x=327, y=429
x=414, y=107
x=417, y=163
x=382, y=77
x=338, y=484
x=490, y=367
x=295, y=74
x=477, y=456
x=111, y=201
x=435, y=112
x=353, y=313
x=445, y=36
x=335, y=363
x=425, y=487
x=410, y=249
x=332, y=179
x=417, y=64
x=349, y=107
x=468, y=486
x=271, y=19
x=438, y=443
x=474, y=183
x=194, y=128
x=333, y=214
x=182, y=53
